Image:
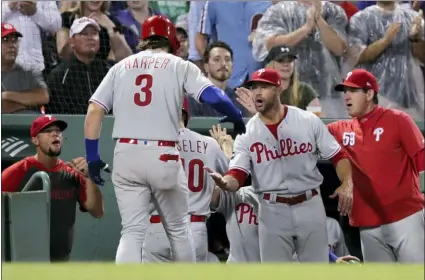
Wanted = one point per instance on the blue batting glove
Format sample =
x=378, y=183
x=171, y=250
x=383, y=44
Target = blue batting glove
x=95, y=166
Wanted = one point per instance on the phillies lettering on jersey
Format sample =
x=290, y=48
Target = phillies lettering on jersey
x=245, y=214
x=196, y=152
x=239, y=209
x=287, y=164
x=146, y=93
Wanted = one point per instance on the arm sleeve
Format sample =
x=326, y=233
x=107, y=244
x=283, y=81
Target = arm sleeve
x=327, y=146
x=411, y=136
x=207, y=22
x=104, y=93
x=47, y=17
x=12, y=176
x=358, y=35
x=241, y=158
x=194, y=81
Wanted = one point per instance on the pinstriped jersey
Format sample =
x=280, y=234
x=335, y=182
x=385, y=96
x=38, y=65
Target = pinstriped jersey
x=285, y=165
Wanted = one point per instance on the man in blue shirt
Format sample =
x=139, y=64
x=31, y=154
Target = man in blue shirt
x=233, y=23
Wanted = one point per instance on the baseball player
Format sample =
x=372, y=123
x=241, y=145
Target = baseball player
x=240, y=211
x=196, y=151
x=387, y=151
x=280, y=149
x=146, y=92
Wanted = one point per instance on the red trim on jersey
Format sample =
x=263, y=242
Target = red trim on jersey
x=419, y=161
x=340, y=155
x=238, y=174
x=273, y=127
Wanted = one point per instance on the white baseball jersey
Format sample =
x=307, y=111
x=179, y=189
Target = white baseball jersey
x=239, y=209
x=146, y=93
x=196, y=152
x=286, y=165
x=336, y=238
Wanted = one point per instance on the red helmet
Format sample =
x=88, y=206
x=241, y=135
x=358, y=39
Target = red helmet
x=161, y=26
x=185, y=110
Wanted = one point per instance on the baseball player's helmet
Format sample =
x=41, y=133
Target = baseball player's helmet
x=185, y=111
x=163, y=27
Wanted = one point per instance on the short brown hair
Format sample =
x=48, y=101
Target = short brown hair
x=375, y=98
x=155, y=42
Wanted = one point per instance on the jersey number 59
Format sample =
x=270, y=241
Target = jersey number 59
x=195, y=165
x=145, y=82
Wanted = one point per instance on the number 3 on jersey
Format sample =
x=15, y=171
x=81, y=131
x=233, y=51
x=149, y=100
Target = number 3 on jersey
x=195, y=165
x=145, y=82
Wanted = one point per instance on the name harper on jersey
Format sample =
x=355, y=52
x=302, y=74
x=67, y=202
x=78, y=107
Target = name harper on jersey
x=147, y=63
x=245, y=213
x=199, y=147
x=287, y=147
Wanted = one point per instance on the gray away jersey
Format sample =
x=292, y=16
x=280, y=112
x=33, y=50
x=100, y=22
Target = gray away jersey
x=239, y=210
x=196, y=152
x=286, y=165
x=146, y=92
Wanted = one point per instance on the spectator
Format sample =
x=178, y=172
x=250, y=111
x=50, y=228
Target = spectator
x=385, y=40
x=20, y=89
x=32, y=19
x=232, y=22
x=218, y=64
x=349, y=8
x=73, y=82
x=295, y=93
x=182, y=36
x=69, y=183
x=132, y=19
x=317, y=31
x=113, y=46
x=194, y=18
x=171, y=9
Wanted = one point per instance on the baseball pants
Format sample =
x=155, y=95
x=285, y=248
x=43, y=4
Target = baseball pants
x=401, y=241
x=156, y=247
x=146, y=171
x=284, y=229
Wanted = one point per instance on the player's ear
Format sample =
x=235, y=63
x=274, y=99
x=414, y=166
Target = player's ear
x=35, y=141
x=370, y=93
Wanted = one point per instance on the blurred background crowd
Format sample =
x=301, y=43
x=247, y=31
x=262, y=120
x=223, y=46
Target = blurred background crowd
x=55, y=53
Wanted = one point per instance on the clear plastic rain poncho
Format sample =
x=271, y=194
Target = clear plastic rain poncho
x=315, y=64
x=397, y=71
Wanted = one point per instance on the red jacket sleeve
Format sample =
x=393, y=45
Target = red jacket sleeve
x=411, y=136
x=12, y=176
x=419, y=161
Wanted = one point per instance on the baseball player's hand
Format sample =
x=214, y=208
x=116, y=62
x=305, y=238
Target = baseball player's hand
x=80, y=165
x=245, y=98
x=348, y=260
x=217, y=132
x=345, y=198
x=94, y=168
x=218, y=179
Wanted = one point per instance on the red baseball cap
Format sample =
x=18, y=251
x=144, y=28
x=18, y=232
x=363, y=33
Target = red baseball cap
x=358, y=78
x=266, y=75
x=44, y=121
x=7, y=29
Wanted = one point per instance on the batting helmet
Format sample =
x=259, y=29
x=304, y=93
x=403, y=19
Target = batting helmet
x=163, y=27
x=185, y=111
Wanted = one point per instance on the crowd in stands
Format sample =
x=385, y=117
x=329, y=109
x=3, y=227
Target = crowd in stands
x=56, y=53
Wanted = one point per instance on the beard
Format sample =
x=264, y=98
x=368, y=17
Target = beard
x=220, y=76
x=51, y=153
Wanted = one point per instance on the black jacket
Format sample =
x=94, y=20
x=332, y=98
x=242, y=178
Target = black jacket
x=71, y=85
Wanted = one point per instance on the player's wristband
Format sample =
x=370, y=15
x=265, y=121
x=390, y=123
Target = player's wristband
x=92, y=149
x=332, y=257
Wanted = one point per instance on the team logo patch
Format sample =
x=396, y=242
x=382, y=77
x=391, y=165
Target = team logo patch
x=7, y=26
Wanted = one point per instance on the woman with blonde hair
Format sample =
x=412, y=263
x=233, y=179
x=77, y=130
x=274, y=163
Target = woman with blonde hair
x=112, y=43
x=295, y=92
